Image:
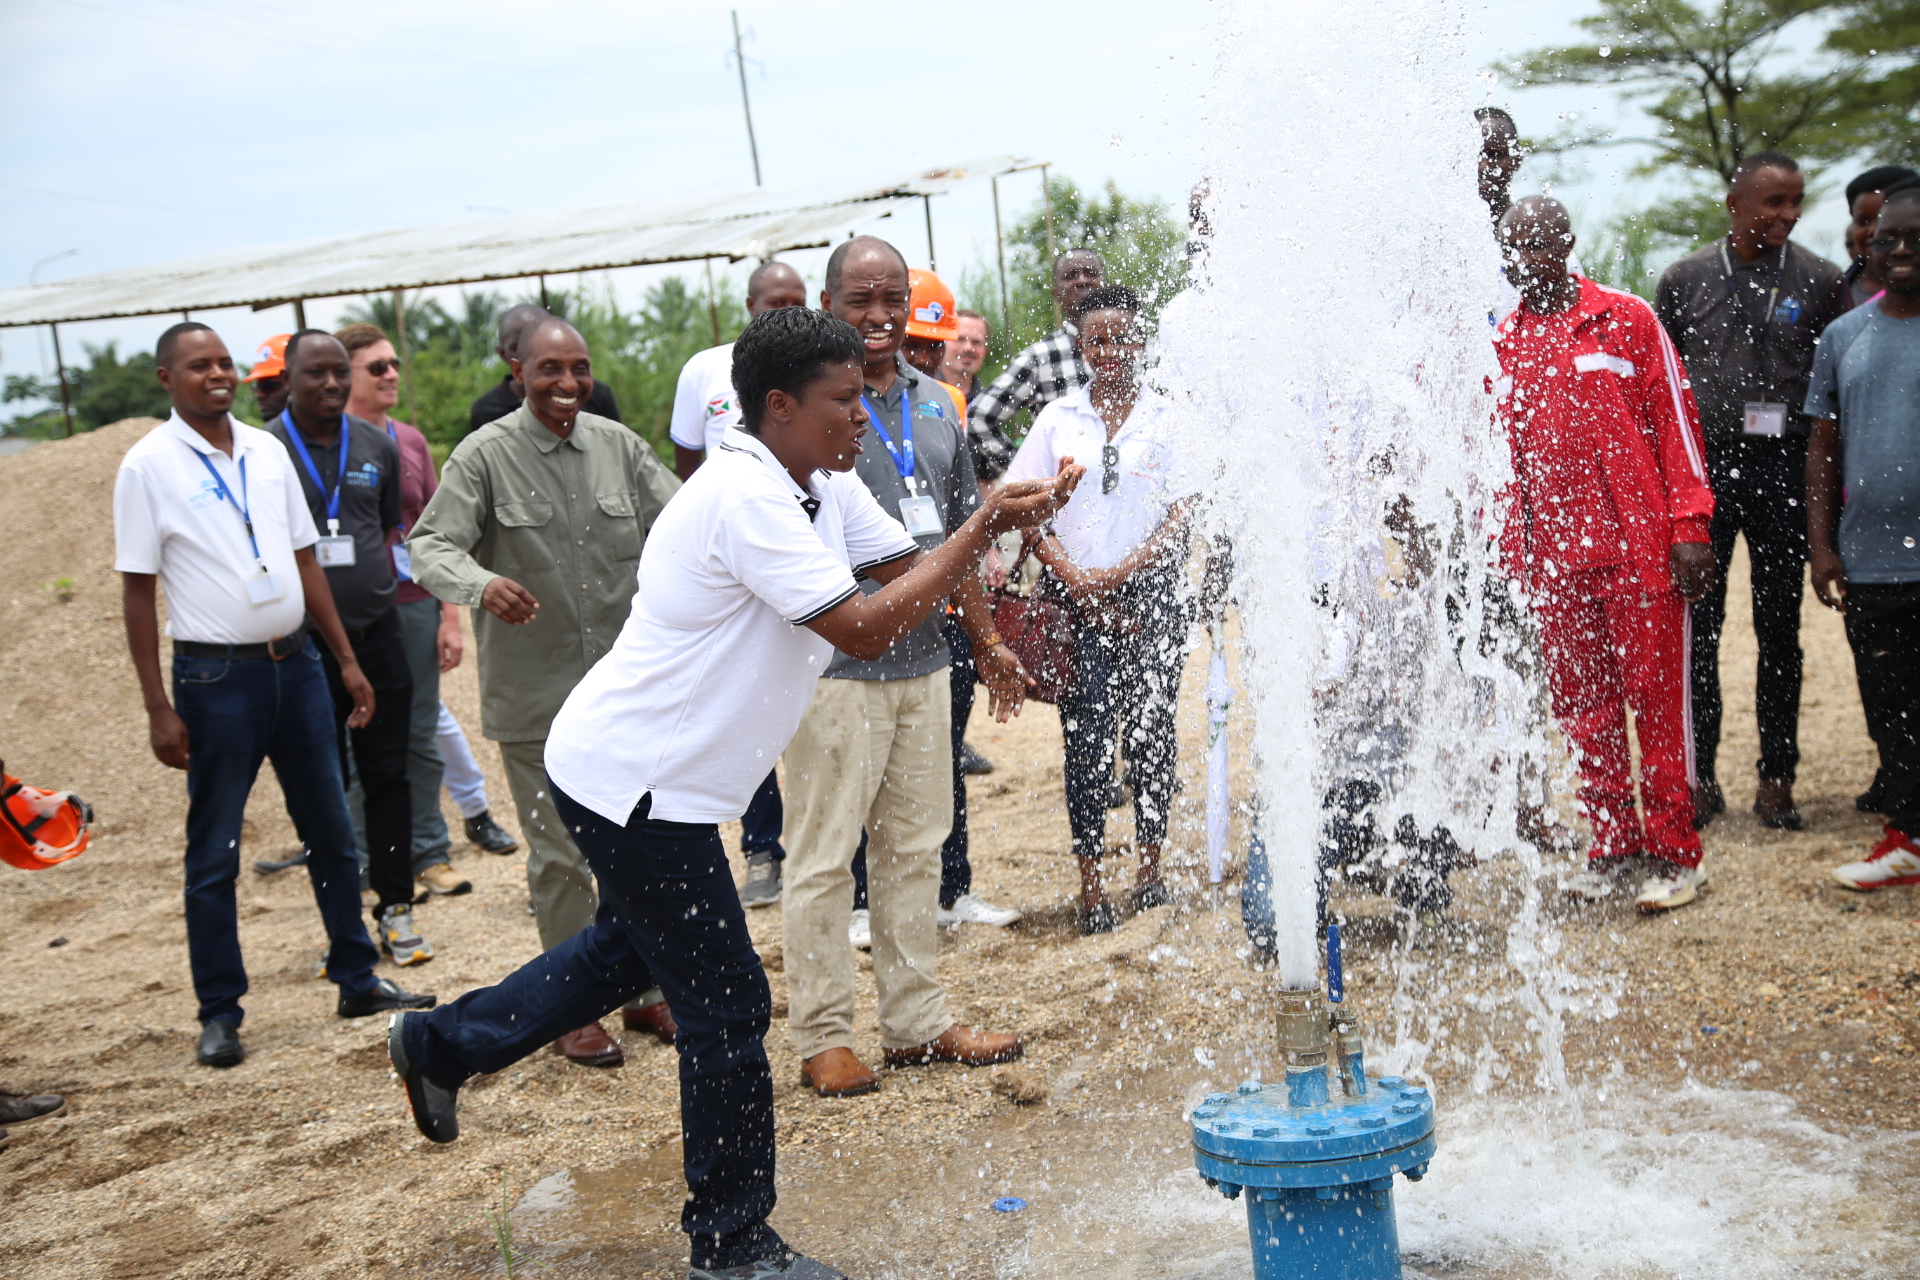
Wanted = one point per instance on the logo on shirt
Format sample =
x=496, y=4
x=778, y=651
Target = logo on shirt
x=1788, y=312
x=364, y=476
x=206, y=495
x=930, y=409
x=719, y=406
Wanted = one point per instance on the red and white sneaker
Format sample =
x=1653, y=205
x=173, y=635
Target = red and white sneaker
x=1895, y=860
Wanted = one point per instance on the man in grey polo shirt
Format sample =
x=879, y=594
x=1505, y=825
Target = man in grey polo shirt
x=537, y=525
x=875, y=748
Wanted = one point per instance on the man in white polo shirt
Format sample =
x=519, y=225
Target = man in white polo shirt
x=704, y=410
x=212, y=508
x=747, y=585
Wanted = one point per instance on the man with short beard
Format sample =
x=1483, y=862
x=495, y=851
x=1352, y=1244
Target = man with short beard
x=537, y=526
x=875, y=748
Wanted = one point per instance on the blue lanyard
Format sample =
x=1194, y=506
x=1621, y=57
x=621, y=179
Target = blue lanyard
x=306, y=460
x=241, y=504
x=903, y=455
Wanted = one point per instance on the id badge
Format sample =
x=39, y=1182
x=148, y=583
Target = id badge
x=265, y=588
x=921, y=517
x=1766, y=420
x=402, y=562
x=334, y=552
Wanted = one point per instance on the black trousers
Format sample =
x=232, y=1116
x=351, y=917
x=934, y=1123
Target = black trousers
x=1883, y=629
x=1759, y=489
x=380, y=752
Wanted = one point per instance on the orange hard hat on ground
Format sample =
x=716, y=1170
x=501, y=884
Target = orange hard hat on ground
x=41, y=829
x=270, y=361
x=930, y=313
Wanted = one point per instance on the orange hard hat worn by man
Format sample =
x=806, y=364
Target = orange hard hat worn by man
x=40, y=829
x=269, y=376
x=930, y=322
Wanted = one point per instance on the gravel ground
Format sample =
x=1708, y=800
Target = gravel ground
x=302, y=1163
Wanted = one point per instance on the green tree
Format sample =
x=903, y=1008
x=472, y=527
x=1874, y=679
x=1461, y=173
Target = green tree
x=1139, y=240
x=106, y=390
x=1886, y=34
x=1710, y=78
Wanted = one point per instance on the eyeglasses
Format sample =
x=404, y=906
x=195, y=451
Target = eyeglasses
x=1109, y=468
x=1888, y=243
x=378, y=368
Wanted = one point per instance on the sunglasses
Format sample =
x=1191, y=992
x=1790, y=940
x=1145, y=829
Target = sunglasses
x=1109, y=468
x=1888, y=243
x=378, y=368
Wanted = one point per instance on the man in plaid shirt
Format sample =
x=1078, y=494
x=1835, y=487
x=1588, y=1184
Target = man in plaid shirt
x=1042, y=373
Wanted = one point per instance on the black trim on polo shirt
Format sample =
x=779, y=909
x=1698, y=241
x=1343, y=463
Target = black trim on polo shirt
x=827, y=608
x=875, y=564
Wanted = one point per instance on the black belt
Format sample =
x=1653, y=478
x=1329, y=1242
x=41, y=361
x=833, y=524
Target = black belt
x=276, y=649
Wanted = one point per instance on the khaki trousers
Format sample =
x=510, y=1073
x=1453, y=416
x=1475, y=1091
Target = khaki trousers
x=878, y=753
x=564, y=900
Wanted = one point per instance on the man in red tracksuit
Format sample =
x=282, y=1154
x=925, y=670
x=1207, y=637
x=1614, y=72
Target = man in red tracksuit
x=1608, y=534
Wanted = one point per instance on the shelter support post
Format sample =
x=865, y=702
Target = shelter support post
x=933, y=262
x=400, y=340
x=543, y=295
x=1000, y=252
x=299, y=313
x=1046, y=194
x=713, y=303
x=66, y=396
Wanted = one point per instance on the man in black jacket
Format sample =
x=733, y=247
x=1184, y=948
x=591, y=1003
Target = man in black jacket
x=1745, y=313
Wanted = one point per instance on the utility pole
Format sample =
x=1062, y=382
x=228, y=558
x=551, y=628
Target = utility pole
x=933, y=263
x=740, y=63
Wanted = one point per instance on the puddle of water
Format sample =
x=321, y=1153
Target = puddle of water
x=1696, y=1184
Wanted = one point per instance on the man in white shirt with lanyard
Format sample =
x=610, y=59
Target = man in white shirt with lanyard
x=746, y=586
x=212, y=508
x=704, y=410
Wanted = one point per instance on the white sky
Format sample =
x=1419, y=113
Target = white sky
x=141, y=130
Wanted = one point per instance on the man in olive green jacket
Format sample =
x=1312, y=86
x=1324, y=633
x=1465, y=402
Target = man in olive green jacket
x=537, y=526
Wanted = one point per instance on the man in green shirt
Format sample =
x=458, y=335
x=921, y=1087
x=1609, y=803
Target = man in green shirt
x=537, y=526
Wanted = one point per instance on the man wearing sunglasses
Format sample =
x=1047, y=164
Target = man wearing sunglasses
x=1863, y=521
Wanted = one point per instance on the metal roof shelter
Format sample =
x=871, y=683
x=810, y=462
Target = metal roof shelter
x=732, y=225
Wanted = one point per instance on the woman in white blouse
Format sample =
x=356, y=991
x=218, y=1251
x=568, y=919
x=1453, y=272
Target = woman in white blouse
x=1116, y=551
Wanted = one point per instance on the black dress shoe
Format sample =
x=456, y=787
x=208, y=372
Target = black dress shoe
x=220, y=1045
x=972, y=763
x=384, y=998
x=490, y=835
x=436, y=1110
x=271, y=866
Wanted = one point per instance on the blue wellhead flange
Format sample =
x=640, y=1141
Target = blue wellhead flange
x=1318, y=1180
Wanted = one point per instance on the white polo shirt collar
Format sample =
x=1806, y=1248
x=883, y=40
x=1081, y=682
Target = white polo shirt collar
x=740, y=441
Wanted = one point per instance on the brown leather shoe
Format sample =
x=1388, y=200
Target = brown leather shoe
x=590, y=1046
x=1774, y=803
x=655, y=1020
x=963, y=1045
x=838, y=1073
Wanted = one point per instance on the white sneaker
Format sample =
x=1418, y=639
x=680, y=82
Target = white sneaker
x=1895, y=860
x=1596, y=882
x=971, y=908
x=860, y=930
x=1669, y=886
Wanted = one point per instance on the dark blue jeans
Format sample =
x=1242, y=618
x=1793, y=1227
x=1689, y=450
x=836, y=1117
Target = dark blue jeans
x=238, y=713
x=765, y=816
x=669, y=915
